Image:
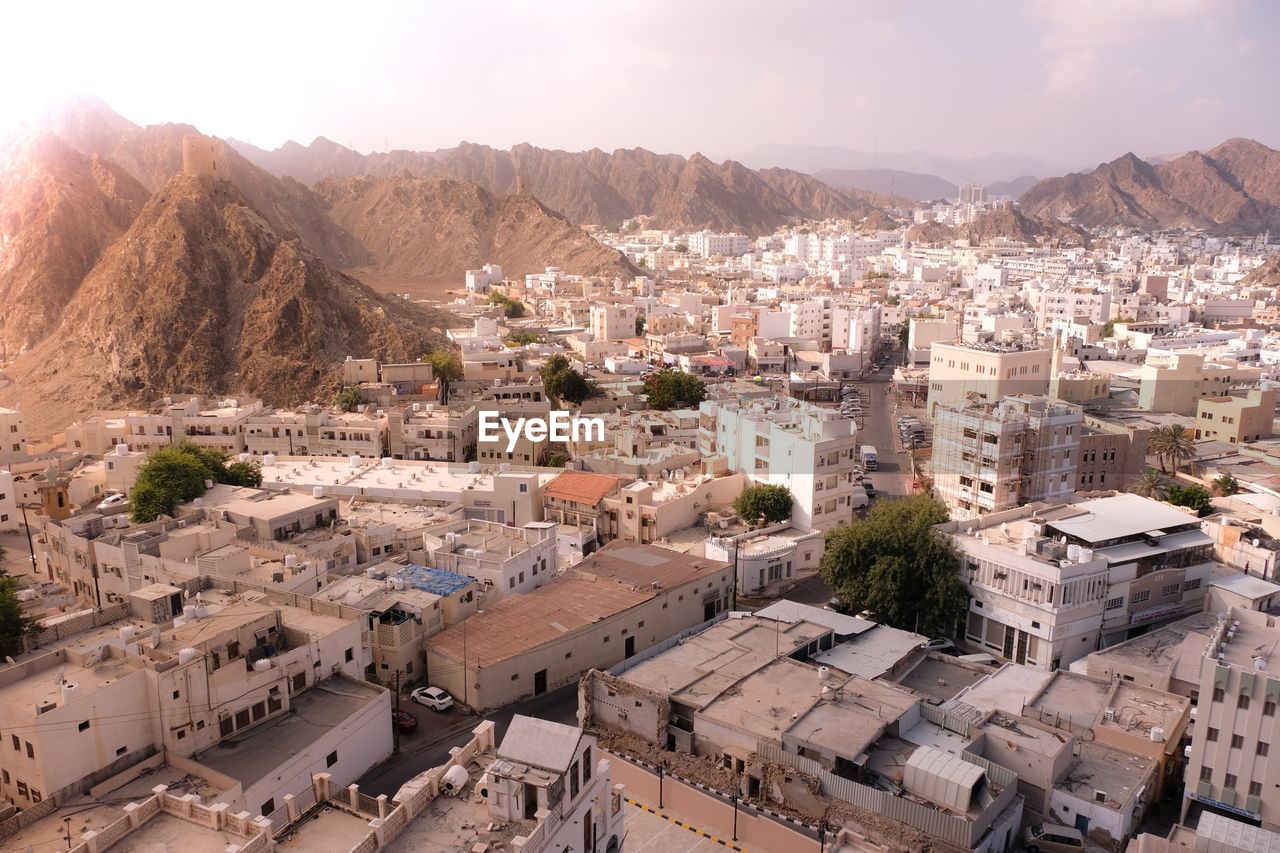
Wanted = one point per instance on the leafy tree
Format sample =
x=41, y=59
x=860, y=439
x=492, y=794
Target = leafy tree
x=1151, y=484
x=771, y=502
x=674, y=389
x=552, y=366
x=562, y=382
x=1226, y=485
x=904, y=333
x=511, y=308
x=682, y=248
x=348, y=399
x=895, y=564
x=1108, y=328
x=15, y=623
x=1195, y=497
x=213, y=460
x=169, y=476
x=523, y=337
x=447, y=370
x=1172, y=444
x=640, y=327
x=244, y=474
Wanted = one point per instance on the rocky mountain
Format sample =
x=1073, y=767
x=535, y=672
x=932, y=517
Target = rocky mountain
x=201, y=293
x=1231, y=189
x=915, y=185
x=400, y=223
x=1002, y=222
x=1267, y=275
x=987, y=168
x=59, y=210
x=596, y=187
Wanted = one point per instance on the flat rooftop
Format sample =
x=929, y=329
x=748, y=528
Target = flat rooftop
x=452, y=824
x=407, y=479
x=795, y=611
x=1007, y=689
x=518, y=623
x=313, y=713
x=327, y=829
x=1176, y=648
x=939, y=678
x=710, y=662
x=873, y=653
x=1119, y=516
x=649, y=566
x=765, y=703
x=1140, y=709
x=1117, y=774
x=1252, y=642
x=1245, y=585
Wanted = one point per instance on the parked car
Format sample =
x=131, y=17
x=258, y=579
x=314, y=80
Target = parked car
x=113, y=499
x=433, y=697
x=937, y=645
x=869, y=488
x=404, y=721
x=834, y=604
x=1051, y=838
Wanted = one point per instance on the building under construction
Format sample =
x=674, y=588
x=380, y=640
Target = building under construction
x=992, y=457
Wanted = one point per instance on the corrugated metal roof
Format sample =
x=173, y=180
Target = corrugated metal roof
x=873, y=652
x=795, y=611
x=1233, y=836
x=942, y=778
x=1118, y=516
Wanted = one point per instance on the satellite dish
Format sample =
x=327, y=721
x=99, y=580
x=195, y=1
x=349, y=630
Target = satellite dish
x=93, y=658
x=9, y=659
x=155, y=638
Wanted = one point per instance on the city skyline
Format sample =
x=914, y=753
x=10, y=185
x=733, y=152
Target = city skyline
x=622, y=76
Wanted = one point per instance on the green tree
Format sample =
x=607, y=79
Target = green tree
x=771, y=502
x=904, y=333
x=674, y=389
x=348, y=399
x=446, y=368
x=1151, y=484
x=523, y=337
x=562, y=382
x=682, y=248
x=244, y=474
x=640, y=327
x=169, y=476
x=895, y=564
x=552, y=366
x=1171, y=444
x=15, y=623
x=1195, y=497
x=511, y=308
x=1225, y=485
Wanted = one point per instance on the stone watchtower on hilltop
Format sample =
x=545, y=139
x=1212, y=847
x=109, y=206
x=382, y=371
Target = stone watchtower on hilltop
x=200, y=156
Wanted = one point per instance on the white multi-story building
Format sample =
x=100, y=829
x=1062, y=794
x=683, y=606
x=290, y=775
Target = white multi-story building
x=613, y=322
x=855, y=328
x=1075, y=301
x=988, y=371
x=431, y=431
x=811, y=451
x=705, y=244
x=1050, y=584
x=219, y=424
x=13, y=436
x=313, y=431
x=504, y=559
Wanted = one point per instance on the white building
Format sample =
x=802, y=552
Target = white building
x=13, y=436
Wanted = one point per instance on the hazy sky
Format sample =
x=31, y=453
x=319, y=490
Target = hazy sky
x=1072, y=81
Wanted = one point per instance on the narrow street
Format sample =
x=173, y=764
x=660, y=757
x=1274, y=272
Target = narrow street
x=893, y=474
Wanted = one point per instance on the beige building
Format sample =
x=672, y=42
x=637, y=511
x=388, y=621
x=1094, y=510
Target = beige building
x=13, y=436
x=204, y=422
x=646, y=511
x=1235, y=725
x=431, y=431
x=617, y=603
x=962, y=372
x=504, y=559
x=1237, y=418
x=313, y=431
x=1110, y=456
x=1176, y=382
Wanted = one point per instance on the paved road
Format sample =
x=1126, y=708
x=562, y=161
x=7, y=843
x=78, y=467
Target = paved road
x=893, y=476
x=429, y=746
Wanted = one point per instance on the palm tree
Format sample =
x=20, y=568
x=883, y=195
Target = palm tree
x=1151, y=484
x=447, y=370
x=1172, y=443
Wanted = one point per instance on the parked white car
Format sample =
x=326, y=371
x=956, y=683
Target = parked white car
x=433, y=697
x=113, y=499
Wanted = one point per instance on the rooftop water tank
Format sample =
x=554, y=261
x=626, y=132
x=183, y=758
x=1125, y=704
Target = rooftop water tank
x=353, y=461
x=290, y=560
x=387, y=463
x=122, y=449
x=268, y=459
x=187, y=655
x=317, y=492
x=455, y=780
x=262, y=665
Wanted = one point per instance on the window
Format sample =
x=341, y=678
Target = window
x=586, y=765
x=225, y=727
x=1113, y=603
x=17, y=744
x=122, y=750
x=573, y=780
x=1212, y=735
x=1268, y=708
x=1242, y=701
x=182, y=733
x=31, y=753
x=331, y=759
x=1170, y=589
x=84, y=727
x=268, y=807
x=1255, y=789
x=242, y=718
x=1219, y=694
x=1263, y=748
x=1191, y=584
x=1230, y=781
x=177, y=694
x=1237, y=741
x=349, y=655
x=1139, y=597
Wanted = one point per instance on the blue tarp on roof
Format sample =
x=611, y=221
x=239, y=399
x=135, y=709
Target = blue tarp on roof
x=434, y=581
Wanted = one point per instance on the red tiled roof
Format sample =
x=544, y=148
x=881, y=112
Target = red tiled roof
x=583, y=487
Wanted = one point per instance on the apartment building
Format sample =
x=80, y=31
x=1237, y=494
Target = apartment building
x=219, y=424
x=987, y=371
x=646, y=511
x=923, y=333
x=230, y=669
x=503, y=559
x=1235, y=724
x=431, y=431
x=1073, y=302
x=855, y=328
x=613, y=322
x=1048, y=584
x=990, y=458
x=313, y=431
x=13, y=436
x=1109, y=457
x=811, y=451
x=1177, y=381
x=1237, y=418
x=575, y=501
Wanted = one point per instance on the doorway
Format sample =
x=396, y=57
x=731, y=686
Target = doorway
x=630, y=647
x=540, y=682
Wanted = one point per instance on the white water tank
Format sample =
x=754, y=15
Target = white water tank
x=262, y=665
x=202, y=612
x=189, y=611
x=1086, y=555
x=127, y=634
x=70, y=690
x=122, y=449
x=245, y=457
x=1157, y=734
x=473, y=467
x=290, y=560
x=1073, y=552
x=188, y=654
x=482, y=787
x=268, y=459
x=317, y=492
x=387, y=463
x=353, y=461
x=455, y=780
x=417, y=407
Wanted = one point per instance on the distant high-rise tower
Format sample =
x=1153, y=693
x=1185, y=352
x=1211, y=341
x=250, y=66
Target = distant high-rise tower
x=199, y=156
x=972, y=193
